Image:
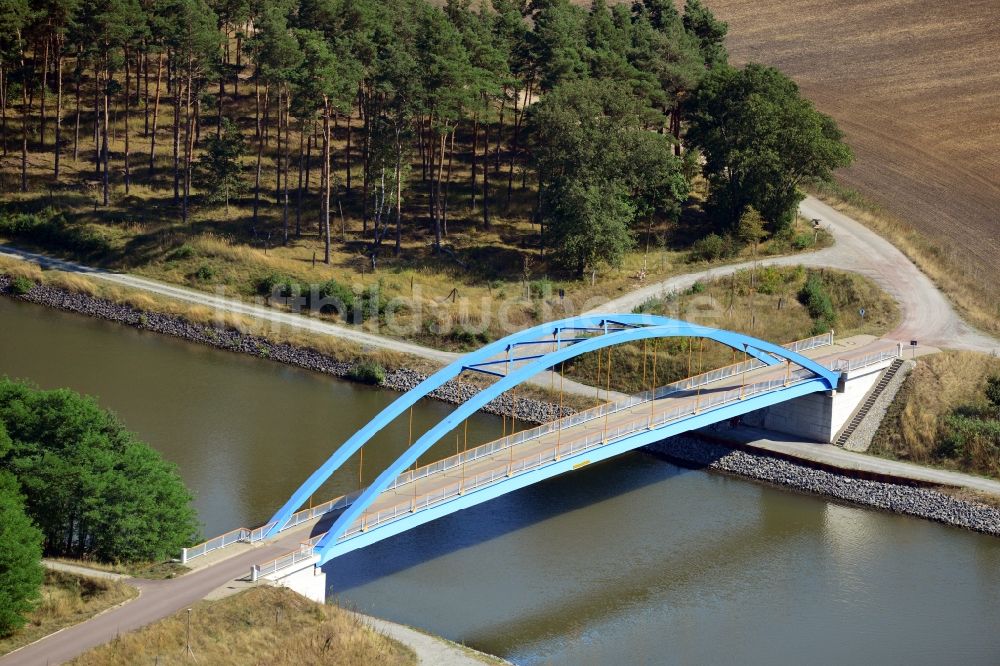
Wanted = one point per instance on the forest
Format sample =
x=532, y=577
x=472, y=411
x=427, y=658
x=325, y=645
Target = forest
x=274, y=120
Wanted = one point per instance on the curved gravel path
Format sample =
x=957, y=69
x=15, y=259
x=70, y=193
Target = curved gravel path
x=927, y=316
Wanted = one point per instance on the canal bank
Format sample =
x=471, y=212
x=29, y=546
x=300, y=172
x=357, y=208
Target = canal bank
x=399, y=379
x=893, y=493
x=633, y=560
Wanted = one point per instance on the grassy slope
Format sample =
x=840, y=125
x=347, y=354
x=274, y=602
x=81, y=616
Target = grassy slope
x=67, y=599
x=263, y=625
x=913, y=84
x=938, y=385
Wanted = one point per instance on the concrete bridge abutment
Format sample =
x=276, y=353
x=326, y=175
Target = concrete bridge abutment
x=306, y=578
x=820, y=417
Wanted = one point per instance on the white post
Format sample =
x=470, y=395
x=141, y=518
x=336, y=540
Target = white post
x=184, y=555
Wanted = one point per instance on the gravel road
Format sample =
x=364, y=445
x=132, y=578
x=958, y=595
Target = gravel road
x=927, y=316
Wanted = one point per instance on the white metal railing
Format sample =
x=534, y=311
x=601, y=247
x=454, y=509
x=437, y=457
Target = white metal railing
x=221, y=541
x=848, y=364
x=245, y=535
x=304, y=552
x=504, y=470
x=537, y=432
x=600, y=411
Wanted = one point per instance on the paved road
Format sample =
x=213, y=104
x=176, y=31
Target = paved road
x=431, y=650
x=157, y=599
x=927, y=316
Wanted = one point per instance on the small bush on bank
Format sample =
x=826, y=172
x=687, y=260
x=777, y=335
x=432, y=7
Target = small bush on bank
x=711, y=248
x=184, y=251
x=51, y=230
x=697, y=288
x=21, y=285
x=992, y=392
x=367, y=372
x=818, y=303
x=333, y=297
x=540, y=288
x=205, y=273
x=804, y=241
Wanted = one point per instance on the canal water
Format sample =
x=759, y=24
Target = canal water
x=632, y=561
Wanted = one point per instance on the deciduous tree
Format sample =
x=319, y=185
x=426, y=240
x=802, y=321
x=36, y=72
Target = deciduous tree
x=91, y=487
x=20, y=550
x=761, y=140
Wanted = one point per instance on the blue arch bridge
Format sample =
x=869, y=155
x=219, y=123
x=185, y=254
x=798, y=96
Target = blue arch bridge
x=404, y=496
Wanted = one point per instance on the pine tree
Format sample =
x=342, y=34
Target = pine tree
x=221, y=167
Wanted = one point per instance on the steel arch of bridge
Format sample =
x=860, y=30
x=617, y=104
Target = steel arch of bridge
x=604, y=331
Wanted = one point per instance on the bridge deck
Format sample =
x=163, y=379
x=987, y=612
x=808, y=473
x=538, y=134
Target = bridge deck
x=488, y=464
x=415, y=495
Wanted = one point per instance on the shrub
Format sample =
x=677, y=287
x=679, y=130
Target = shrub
x=341, y=295
x=469, y=339
x=540, y=288
x=184, y=251
x=993, y=390
x=697, y=288
x=204, y=273
x=711, y=248
x=813, y=295
x=769, y=280
x=51, y=230
x=21, y=285
x=972, y=442
x=275, y=284
x=804, y=241
x=367, y=372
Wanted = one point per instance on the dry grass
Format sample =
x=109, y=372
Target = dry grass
x=913, y=83
x=938, y=385
x=263, y=625
x=67, y=599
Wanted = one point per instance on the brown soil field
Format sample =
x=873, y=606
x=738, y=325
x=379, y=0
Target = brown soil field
x=915, y=85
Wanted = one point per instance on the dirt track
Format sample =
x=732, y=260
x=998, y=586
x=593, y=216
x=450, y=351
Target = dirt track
x=915, y=84
x=927, y=316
